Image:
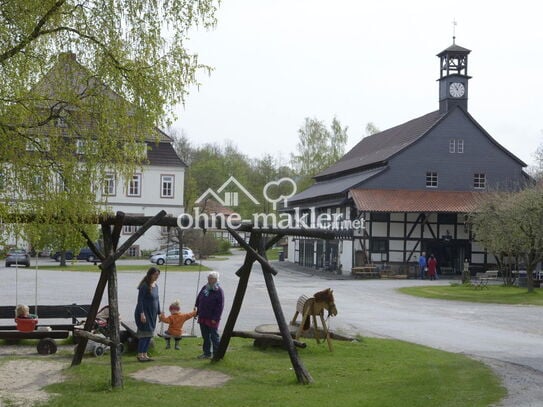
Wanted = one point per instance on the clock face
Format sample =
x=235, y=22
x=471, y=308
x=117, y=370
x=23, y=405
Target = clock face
x=456, y=89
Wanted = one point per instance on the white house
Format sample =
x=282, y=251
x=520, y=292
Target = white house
x=158, y=186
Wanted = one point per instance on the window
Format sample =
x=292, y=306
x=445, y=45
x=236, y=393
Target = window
x=61, y=122
x=38, y=144
x=456, y=146
x=479, y=181
x=79, y=146
x=379, y=217
x=379, y=245
x=36, y=183
x=133, y=251
x=129, y=229
x=460, y=146
x=134, y=186
x=446, y=218
x=166, y=189
x=431, y=179
x=109, y=185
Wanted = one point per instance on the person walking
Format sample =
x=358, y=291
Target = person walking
x=146, y=312
x=432, y=267
x=209, y=305
x=422, y=265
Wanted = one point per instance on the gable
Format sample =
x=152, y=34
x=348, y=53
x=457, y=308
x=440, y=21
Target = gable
x=378, y=148
x=430, y=153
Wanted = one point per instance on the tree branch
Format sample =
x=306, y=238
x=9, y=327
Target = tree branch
x=34, y=34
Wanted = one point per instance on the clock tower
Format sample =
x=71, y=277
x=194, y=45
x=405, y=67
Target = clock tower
x=453, y=77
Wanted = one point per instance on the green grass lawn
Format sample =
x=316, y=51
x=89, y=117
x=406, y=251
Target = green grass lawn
x=122, y=267
x=494, y=294
x=372, y=372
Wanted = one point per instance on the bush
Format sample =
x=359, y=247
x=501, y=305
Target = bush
x=224, y=246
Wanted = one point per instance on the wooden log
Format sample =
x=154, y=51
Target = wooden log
x=276, y=339
x=96, y=338
x=250, y=250
x=243, y=273
x=116, y=362
x=91, y=317
x=132, y=239
x=302, y=374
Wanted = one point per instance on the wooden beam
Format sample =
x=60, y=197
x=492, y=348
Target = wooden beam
x=92, y=246
x=302, y=374
x=132, y=239
x=114, y=334
x=91, y=317
x=138, y=220
x=117, y=229
x=249, y=249
x=96, y=338
x=244, y=273
x=276, y=339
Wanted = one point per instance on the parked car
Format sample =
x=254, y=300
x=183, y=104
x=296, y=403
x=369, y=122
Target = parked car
x=172, y=257
x=162, y=251
x=19, y=257
x=84, y=254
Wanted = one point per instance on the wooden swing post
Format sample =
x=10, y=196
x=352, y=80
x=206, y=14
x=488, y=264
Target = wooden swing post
x=256, y=250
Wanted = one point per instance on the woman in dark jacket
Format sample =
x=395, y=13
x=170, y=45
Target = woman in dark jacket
x=210, y=303
x=146, y=312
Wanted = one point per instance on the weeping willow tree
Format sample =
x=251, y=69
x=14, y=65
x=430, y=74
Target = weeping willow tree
x=84, y=85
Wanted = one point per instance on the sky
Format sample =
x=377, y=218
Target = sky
x=276, y=62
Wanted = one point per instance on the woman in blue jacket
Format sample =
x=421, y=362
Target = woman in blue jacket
x=146, y=312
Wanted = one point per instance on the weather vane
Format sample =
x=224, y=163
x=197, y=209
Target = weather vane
x=454, y=23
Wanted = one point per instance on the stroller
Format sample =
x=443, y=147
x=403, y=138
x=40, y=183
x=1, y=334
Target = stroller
x=103, y=328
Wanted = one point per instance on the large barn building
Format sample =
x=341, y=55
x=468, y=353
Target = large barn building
x=414, y=185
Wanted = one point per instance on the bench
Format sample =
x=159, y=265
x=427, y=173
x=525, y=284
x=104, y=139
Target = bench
x=482, y=279
x=44, y=332
x=368, y=271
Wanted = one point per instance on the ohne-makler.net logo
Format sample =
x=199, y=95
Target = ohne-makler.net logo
x=273, y=192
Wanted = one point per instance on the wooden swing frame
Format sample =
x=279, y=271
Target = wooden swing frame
x=260, y=240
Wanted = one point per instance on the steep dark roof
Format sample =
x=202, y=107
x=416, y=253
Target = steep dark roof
x=454, y=48
x=163, y=154
x=378, y=148
x=335, y=186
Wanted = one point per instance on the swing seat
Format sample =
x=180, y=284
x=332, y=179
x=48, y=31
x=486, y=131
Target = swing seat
x=26, y=324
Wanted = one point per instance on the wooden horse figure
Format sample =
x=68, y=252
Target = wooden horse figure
x=311, y=307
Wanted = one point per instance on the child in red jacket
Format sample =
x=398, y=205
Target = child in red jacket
x=175, y=323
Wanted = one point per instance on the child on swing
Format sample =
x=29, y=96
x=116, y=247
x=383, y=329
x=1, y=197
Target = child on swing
x=23, y=311
x=175, y=323
x=26, y=322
